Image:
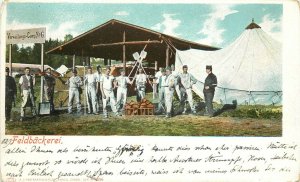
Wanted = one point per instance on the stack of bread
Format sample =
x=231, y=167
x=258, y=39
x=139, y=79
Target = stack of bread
x=137, y=108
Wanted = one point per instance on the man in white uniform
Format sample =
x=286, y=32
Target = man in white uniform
x=26, y=84
x=107, y=83
x=169, y=91
x=159, y=73
x=186, y=80
x=122, y=82
x=141, y=80
x=176, y=75
x=161, y=90
x=155, y=82
x=74, y=83
x=90, y=91
x=98, y=76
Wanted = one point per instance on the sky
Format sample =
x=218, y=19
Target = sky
x=211, y=24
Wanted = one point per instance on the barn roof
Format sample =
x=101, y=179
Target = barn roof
x=105, y=41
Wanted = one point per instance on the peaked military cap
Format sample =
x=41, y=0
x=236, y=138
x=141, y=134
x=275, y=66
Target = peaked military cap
x=209, y=67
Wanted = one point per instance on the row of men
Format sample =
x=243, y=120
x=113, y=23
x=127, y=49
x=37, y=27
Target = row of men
x=170, y=81
x=26, y=86
x=100, y=88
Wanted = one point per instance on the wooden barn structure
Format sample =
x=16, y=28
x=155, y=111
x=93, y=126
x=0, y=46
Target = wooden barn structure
x=118, y=40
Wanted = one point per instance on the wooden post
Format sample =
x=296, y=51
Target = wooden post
x=167, y=56
x=73, y=66
x=9, y=59
x=124, y=52
x=83, y=93
x=42, y=70
x=88, y=63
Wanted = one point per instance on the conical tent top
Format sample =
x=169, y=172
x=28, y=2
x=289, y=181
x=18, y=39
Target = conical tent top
x=252, y=25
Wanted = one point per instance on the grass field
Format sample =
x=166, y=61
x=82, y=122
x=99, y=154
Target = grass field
x=244, y=121
x=181, y=125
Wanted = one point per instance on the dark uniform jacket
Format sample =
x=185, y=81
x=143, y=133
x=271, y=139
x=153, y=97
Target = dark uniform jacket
x=49, y=82
x=10, y=87
x=211, y=81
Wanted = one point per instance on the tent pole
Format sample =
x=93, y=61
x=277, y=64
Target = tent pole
x=42, y=70
x=124, y=52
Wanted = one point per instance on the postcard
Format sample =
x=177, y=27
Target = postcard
x=149, y=91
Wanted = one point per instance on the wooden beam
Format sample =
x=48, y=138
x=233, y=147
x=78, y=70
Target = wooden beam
x=167, y=56
x=88, y=63
x=128, y=43
x=124, y=52
x=42, y=70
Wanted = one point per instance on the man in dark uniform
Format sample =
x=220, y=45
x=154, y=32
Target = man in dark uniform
x=98, y=76
x=209, y=90
x=10, y=94
x=49, y=83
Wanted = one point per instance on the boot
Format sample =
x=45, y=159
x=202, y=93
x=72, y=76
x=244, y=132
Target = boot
x=168, y=115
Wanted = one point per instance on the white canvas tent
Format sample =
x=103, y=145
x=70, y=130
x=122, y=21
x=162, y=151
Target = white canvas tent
x=249, y=69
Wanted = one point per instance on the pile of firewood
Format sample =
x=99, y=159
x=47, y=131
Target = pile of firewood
x=145, y=107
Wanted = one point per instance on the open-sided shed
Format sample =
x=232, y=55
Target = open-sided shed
x=118, y=40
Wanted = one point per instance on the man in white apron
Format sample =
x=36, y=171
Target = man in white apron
x=161, y=90
x=122, y=82
x=155, y=82
x=107, y=83
x=74, y=83
x=186, y=80
x=169, y=91
x=90, y=91
x=141, y=80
